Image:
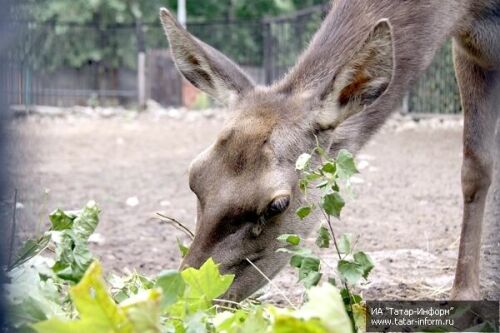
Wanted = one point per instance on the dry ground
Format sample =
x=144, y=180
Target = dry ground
x=407, y=212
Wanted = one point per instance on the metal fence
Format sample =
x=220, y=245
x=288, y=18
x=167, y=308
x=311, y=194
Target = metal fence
x=437, y=90
x=285, y=37
x=66, y=64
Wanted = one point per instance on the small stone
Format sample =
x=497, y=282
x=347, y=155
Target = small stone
x=97, y=238
x=164, y=203
x=132, y=201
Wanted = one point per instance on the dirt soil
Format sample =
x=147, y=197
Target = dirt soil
x=407, y=210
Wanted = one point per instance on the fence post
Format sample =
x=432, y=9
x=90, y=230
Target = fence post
x=27, y=88
x=141, y=65
x=405, y=108
x=268, y=51
x=141, y=80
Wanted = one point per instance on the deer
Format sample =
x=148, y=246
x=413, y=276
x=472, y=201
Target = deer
x=349, y=80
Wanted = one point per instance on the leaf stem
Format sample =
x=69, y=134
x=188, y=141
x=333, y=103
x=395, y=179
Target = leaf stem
x=350, y=313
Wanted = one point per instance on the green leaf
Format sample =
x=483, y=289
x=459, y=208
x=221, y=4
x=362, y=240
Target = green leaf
x=303, y=212
x=307, y=263
x=292, y=239
x=365, y=262
x=183, y=249
x=73, y=256
x=255, y=322
x=356, y=298
x=345, y=164
x=313, y=176
x=298, y=254
x=290, y=324
x=311, y=279
x=61, y=220
x=303, y=183
x=345, y=243
x=32, y=294
x=332, y=204
x=329, y=167
x=323, y=239
x=93, y=302
x=228, y=322
x=350, y=271
x=30, y=249
x=86, y=221
x=98, y=312
x=172, y=285
x=206, y=282
x=303, y=162
x=55, y=325
x=143, y=311
x=359, y=313
x=196, y=323
x=28, y=312
x=241, y=321
x=325, y=303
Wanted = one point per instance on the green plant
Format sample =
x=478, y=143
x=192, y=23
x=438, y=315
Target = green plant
x=57, y=286
x=328, y=175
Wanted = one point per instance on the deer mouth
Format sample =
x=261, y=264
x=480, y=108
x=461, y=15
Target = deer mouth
x=250, y=260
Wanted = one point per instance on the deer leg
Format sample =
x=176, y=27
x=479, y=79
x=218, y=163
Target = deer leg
x=478, y=91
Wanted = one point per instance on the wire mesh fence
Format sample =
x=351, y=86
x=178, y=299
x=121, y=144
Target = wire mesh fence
x=437, y=90
x=286, y=37
x=64, y=64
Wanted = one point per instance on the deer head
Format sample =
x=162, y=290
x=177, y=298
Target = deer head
x=246, y=182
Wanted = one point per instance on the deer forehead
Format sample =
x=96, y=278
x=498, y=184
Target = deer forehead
x=246, y=148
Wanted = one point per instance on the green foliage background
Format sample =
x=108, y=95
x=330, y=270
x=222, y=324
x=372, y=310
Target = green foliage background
x=74, y=34
x=62, y=33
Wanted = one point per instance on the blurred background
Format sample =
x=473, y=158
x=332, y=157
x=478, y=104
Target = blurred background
x=114, y=52
x=94, y=108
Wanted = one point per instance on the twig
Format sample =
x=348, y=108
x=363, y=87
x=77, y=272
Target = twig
x=226, y=301
x=223, y=307
x=272, y=284
x=178, y=225
x=13, y=228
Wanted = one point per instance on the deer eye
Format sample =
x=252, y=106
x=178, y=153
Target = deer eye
x=278, y=205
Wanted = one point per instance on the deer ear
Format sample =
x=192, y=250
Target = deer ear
x=202, y=65
x=361, y=81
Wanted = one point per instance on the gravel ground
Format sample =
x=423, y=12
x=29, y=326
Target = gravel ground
x=407, y=210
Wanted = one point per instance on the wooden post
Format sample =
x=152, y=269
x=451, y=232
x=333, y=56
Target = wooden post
x=268, y=51
x=141, y=79
x=181, y=12
x=405, y=108
x=141, y=65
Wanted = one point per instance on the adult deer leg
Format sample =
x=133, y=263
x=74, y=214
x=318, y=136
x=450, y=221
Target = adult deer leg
x=479, y=88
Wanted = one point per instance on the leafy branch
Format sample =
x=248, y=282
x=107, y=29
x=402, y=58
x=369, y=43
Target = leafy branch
x=325, y=174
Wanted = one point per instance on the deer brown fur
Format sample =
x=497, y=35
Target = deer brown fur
x=354, y=73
